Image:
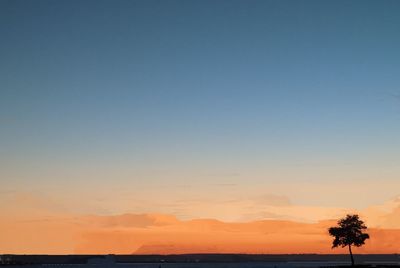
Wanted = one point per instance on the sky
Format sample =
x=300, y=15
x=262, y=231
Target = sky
x=235, y=111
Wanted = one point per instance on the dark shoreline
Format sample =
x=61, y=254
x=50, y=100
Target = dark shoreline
x=202, y=258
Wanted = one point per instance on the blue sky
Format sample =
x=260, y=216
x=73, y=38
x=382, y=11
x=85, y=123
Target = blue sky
x=153, y=93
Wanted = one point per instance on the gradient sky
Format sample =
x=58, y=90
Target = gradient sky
x=234, y=110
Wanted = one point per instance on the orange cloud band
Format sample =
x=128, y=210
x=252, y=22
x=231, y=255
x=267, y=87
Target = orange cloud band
x=164, y=234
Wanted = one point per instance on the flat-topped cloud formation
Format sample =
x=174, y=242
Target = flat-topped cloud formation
x=171, y=236
x=37, y=226
x=165, y=234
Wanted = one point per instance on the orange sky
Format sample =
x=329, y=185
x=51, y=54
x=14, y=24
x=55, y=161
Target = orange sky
x=197, y=126
x=169, y=236
x=165, y=234
x=36, y=225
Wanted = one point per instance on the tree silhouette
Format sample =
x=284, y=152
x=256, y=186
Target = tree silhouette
x=349, y=232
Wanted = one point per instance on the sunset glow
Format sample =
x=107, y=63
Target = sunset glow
x=226, y=126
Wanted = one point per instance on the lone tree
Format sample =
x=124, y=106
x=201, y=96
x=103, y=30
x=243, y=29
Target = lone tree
x=349, y=232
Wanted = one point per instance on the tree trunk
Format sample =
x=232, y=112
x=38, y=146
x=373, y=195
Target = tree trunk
x=351, y=256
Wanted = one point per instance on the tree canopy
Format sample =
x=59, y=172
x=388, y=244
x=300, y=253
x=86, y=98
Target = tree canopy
x=349, y=232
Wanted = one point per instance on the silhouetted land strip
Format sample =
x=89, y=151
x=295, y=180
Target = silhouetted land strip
x=363, y=266
x=208, y=258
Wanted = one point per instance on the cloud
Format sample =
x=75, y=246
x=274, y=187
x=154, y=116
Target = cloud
x=225, y=184
x=273, y=200
x=30, y=205
x=265, y=224
x=210, y=236
x=386, y=215
x=162, y=234
x=129, y=220
x=7, y=192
